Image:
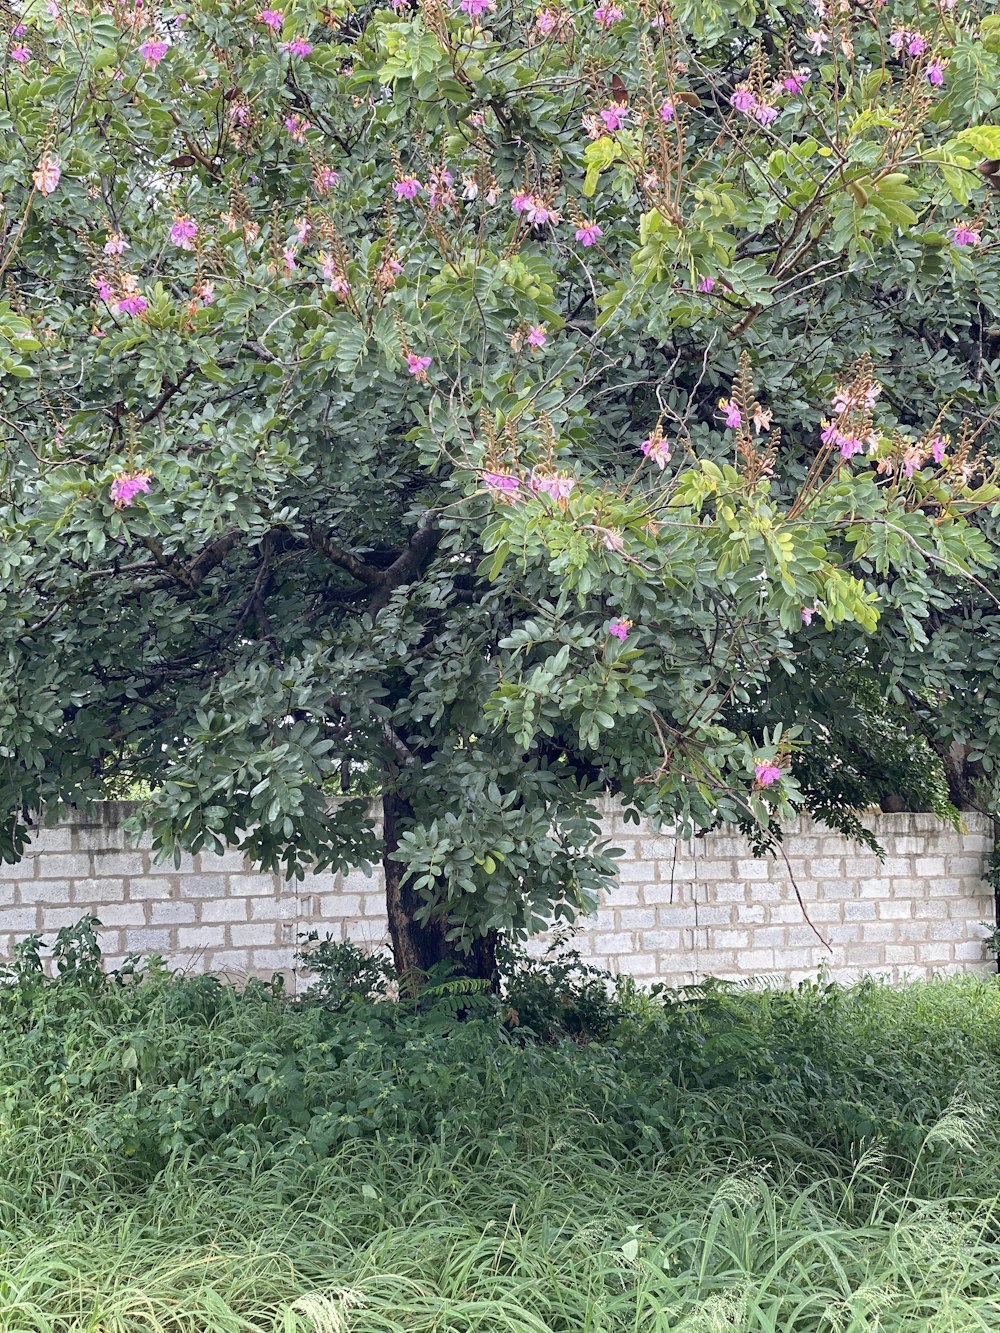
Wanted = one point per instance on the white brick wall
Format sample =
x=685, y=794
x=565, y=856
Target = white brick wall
x=680, y=912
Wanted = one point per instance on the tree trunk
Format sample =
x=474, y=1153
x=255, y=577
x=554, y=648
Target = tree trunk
x=417, y=947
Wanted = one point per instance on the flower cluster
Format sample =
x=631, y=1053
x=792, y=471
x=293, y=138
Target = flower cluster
x=656, y=448
x=127, y=485
x=765, y=774
x=619, y=629
x=851, y=432
x=534, y=209
x=965, y=233
x=47, y=174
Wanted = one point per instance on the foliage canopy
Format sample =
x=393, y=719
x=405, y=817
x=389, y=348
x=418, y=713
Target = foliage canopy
x=500, y=405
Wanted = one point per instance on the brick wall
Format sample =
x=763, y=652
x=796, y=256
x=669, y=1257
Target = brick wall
x=680, y=911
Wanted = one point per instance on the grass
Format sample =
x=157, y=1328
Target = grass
x=177, y=1156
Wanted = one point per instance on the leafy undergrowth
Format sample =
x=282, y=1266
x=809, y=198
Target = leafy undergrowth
x=176, y=1155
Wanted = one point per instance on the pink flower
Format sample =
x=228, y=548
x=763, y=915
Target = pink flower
x=501, y=485
x=667, y=111
x=417, y=365
x=20, y=54
x=536, y=335
x=743, y=100
x=298, y=46
x=589, y=234
x=606, y=16
x=938, y=448
x=917, y=45
x=407, y=187
x=115, y=244
x=656, y=448
x=302, y=229
x=794, y=83
x=183, y=232
x=153, y=51
x=132, y=305
x=734, y=418
x=765, y=775
x=962, y=234
x=620, y=628
x=541, y=213
x=522, y=202
x=765, y=114
x=557, y=487
x=614, y=116
x=935, y=73
x=807, y=614
x=290, y=264
x=47, y=174
x=325, y=179
x=707, y=284
x=849, y=445
x=476, y=8
x=103, y=288
x=19, y=29
x=127, y=485
x=912, y=459
x=206, y=293
x=438, y=186
x=817, y=40
x=271, y=18
x=897, y=39
x=296, y=127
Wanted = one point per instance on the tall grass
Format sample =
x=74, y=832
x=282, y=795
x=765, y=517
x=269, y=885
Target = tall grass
x=175, y=1156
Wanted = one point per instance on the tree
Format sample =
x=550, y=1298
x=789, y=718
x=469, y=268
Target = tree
x=490, y=407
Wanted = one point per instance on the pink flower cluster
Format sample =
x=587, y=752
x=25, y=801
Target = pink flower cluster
x=534, y=209
x=619, y=629
x=476, y=8
x=748, y=104
x=183, y=232
x=963, y=234
x=153, y=51
x=557, y=486
x=607, y=15
x=127, y=485
x=846, y=443
x=297, y=47
x=502, y=486
x=589, y=234
x=417, y=365
x=656, y=449
x=903, y=39
x=765, y=774
x=732, y=415
x=47, y=174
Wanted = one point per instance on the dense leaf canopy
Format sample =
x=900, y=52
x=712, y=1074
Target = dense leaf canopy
x=493, y=406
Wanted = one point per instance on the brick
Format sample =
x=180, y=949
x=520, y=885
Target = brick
x=770, y=937
x=881, y=932
x=148, y=941
x=666, y=940
x=54, y=918
x=900, y=953
x=710, y=914
x=252, y=886
x=970, y=950
x=20, y=920
x=272, y=909
x=59, y=838
x=201, y=937
x=751, y=913
x=147, y=887
x=862, y=911
x=632, y=872
x=894, y=909
x=164, y=913
x=123, y=914
x=969, y=866
x=224, y=909
x=87, y=892
x=202, y=886
x=103, y=863
x=261, y=933
x=270, y=960
x=753, y=869
x=929, y=867
x=631, y=918
x=826, y=867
